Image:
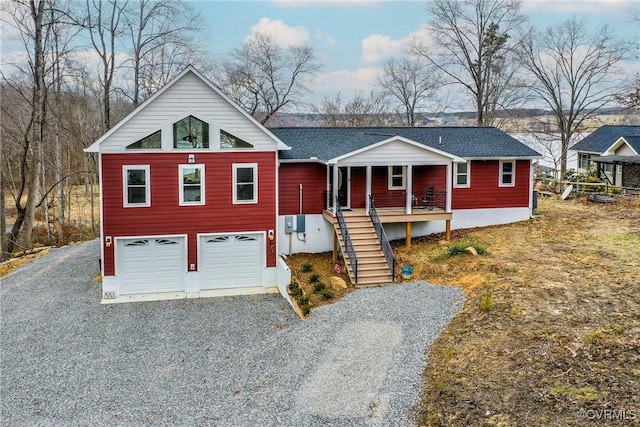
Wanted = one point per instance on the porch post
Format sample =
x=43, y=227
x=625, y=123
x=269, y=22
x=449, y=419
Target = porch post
x=449, y=187
x=328, y=206
x=367, y=202
x=334, y=192
x=407, y=238
x=335, y=245
x=409, y=189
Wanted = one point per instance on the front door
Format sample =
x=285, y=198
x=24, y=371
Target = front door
x=344, y=187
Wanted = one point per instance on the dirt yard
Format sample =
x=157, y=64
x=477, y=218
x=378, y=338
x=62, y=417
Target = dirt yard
x=550, y=332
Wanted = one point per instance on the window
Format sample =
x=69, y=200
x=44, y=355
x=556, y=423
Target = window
x=507, y=173
x=397, y=177
x=191, y=179
x=584, y=162
x=136, y=190
x=150, y=142
x=245, y=183
x=190, y=133
x=462, y=175
x=228, y=141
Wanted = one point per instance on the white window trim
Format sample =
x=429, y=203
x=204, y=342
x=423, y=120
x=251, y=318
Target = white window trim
x=513, y=174
x=236, y=166
x=125, y=193
x=181, y=201
x=404, y=178
x=456, y=174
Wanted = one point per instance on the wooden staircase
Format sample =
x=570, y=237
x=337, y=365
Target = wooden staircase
x=372, y=265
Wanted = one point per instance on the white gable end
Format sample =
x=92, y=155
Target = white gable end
x=394, y=152
x=188, y=95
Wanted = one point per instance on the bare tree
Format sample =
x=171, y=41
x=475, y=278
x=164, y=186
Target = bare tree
x=473, y=49
x=410, y=82
x=104, y=22
x=630, y=97
x=264, y=77
x=573, y=73
x=363, y=110
x=156, y=27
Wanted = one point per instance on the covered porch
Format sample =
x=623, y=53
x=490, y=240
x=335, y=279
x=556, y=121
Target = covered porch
x=405, y=181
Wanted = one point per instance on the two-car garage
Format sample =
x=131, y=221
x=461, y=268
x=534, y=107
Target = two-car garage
x=150, y=265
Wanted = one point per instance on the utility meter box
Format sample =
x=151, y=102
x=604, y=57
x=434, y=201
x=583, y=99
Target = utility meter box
x=288, y=224
x=300, y=224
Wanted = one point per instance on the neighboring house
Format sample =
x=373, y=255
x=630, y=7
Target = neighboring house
x=615, y=152
x=198, y=199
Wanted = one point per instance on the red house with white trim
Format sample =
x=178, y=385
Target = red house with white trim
x=198, y=199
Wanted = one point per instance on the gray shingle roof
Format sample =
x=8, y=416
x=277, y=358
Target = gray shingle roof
x=466, y=142
x=604, y=137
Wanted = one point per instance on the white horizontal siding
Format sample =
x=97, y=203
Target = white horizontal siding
x=394, y=153
x=188, y=95
x=625, y=150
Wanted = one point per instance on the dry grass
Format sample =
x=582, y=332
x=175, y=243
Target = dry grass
x=10, y=265
x=551, y=325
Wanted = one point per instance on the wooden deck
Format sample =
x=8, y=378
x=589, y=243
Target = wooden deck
x=397, y=215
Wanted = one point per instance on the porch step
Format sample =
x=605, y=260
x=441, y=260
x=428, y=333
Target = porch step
x=372, y=265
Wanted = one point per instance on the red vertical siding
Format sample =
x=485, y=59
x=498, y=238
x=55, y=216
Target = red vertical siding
x=165, y=216
x=313, y=177
x=484, y=191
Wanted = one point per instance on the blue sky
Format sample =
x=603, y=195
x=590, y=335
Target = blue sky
x=353, y=39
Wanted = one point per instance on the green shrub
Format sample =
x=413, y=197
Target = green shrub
x=326, y=293
x=305, y=309
x=319, y=287
x=457, y=248
x=303, y=300
x=486, y=301
x=307, y=267
x=314, y=278
x=294, y=290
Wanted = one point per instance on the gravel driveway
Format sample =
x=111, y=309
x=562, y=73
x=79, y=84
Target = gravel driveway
x=235, y=361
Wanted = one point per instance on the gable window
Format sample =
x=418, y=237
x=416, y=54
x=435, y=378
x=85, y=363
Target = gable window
x=397, y=177
x=136, y=191
x=245, y=183
x=150, y=142
x=190, y=132
x=228, y=141
x=462, y=175
x=191, y=179
x=584, y=162
x=507, y=173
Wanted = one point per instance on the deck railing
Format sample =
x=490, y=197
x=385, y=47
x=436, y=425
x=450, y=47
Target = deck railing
x=346, y=239
x=382, y=238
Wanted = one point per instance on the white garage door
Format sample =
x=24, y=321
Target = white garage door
x=231, y=261
x=150, y=265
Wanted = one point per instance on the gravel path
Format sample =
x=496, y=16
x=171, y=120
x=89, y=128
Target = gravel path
x=236, y=361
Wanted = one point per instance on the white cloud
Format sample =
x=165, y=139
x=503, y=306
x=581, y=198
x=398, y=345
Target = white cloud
x=344, y=81
x=324, y=37
x=291, y=4
x=283, y=34
x=377, y=47
x=573, y=6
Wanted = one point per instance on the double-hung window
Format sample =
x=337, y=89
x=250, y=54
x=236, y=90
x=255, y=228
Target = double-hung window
x=397, y=179
x=462, y=178
x=191, y=179
x=507, y=173
x=136, y=191
x=245, y=183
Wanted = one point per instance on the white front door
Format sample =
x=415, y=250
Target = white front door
x=150, y=265
x=231, y=261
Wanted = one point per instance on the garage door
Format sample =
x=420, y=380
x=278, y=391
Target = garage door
x=151, y=265
x=231, y=261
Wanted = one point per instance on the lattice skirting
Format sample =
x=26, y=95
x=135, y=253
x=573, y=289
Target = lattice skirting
x=631, y=176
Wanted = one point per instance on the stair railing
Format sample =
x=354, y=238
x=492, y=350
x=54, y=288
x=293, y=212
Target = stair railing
x=382, y=238
x=346, y=238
